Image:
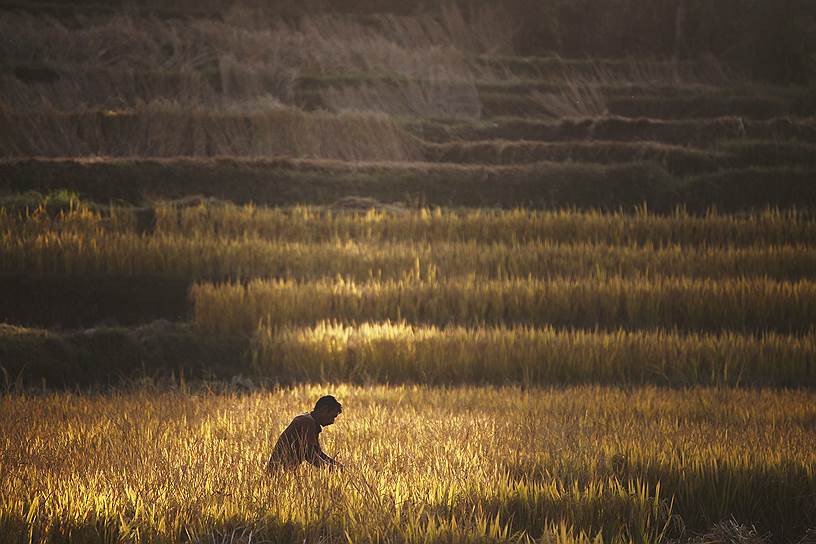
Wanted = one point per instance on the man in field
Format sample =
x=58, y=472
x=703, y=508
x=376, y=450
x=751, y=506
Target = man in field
x=299, y=442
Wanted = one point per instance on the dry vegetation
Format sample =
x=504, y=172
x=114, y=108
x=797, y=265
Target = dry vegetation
x=313, y=224
x=398, y=352
x=171, y=130
x=592, y=259
x=207, y=257
x=223, y=64
x=737, y=304
x=482, y=464
x=447, y=296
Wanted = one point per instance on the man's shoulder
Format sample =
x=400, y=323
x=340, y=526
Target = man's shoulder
x=304, y=420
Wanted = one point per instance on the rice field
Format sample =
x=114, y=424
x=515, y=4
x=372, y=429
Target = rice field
x=558, y=262
x=585, y=464
x=388, y=352
x=207, y=257
x=373, y=222
x=743, y=305
x=458, y=295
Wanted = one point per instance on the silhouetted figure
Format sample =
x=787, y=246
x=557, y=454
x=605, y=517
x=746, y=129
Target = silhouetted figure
x=299, y=441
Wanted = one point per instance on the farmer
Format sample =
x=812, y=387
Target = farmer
x=299, y=443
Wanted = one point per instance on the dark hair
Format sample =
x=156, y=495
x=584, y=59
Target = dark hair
x=327, y=402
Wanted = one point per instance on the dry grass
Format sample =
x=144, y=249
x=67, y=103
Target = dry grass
x=309, y=224
x=206, y=256
x=678, y=160
x=638, y=74
x=749, y=305
x=389, y=352
x=481, y=464
x=771, y=227
x=168, y=129
x=576, y=99
x=433, y=96
x=217, y=63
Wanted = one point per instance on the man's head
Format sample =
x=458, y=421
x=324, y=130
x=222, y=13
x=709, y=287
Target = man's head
x=326, y=409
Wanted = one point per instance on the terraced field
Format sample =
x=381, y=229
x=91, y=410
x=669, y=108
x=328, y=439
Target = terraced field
x=559, y=264
x=170, y=107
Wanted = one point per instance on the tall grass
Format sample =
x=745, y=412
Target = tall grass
x=398, y=352
x=424, y=225
x=755, y=304
x=454, y=465
x=485, y=225
x=206, y=256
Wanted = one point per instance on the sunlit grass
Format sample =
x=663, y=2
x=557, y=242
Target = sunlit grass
x=398, y=352
x=755, y=304
x=315, y=224
x=208, y=256
x=459, y=464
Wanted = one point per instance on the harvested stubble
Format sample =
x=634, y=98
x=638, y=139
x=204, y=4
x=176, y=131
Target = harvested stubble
x=172, y=130
x=229, y=86
x=583, y=101
x=628, y=71
x=481, y=464
x=756, y=304
x=398, y=352
x=770, y=153
x=702, y=106
x=320, y=41
x=204, y=56
x=206, y=256
x=678, y=160
x=740, y=189
x=678, y=132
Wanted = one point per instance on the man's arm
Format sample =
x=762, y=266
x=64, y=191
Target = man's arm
x=314, y=453
x=318, y=457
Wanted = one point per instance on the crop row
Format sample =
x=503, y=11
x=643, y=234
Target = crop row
x=678, y=160
x=756, y=304
x=204, y=256
x=389, y=352
x=162, y=131
x=398, y=352
x=235, y=84
x=701, y=132
x=372, y=222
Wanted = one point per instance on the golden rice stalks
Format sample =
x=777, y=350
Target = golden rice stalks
x=398, y=352
x=460, y=464
x=314, y=224
x=205, y=256
x=755, y=304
